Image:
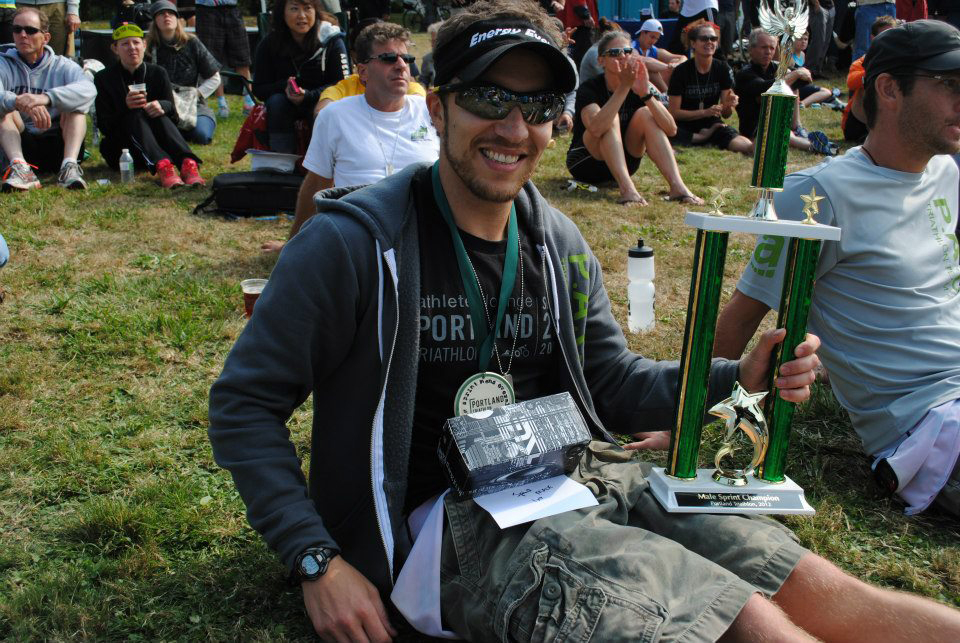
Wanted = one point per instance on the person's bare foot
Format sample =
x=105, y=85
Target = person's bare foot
x=272, y=246
x=687, y=198
x=632, y=200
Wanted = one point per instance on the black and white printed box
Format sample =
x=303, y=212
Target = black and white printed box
x=516, y=444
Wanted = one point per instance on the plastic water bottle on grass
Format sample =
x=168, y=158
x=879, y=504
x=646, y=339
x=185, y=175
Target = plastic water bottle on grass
x=126, y=167
x=640, y=291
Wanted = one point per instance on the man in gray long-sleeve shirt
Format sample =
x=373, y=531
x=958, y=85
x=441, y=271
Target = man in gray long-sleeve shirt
x=64, y=19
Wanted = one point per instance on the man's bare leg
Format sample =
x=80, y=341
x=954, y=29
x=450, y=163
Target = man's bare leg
x=644, y=134
x=835, y=606
x=73, y=125
x=10, y=128
x=761, y=621
x=609, y=149
x=705, y=133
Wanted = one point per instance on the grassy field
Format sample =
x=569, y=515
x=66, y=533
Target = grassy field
x=120, y=307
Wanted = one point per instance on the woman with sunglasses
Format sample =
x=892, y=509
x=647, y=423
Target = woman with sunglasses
x=303, y=54
x=619, y=118
x=192, y=69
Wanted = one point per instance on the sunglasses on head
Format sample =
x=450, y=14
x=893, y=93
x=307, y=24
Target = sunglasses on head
x=708, y=38
x=495, y=103
x=390, y=57
x=616, y=52
x=31, y=31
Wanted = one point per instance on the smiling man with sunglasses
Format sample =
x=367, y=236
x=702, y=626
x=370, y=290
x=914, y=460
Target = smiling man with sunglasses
x=43, y=106
x=369, y=308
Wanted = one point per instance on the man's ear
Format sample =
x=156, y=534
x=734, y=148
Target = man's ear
x=888, y=90
x=46, y=37
x=362, y=73
x=435, y=107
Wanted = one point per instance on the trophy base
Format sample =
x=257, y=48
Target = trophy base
x=705, y=495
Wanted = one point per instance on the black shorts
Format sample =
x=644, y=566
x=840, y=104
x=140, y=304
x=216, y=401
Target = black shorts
x=45, y=149
x=721, y=137
x=222, y=31
x=807, y=91
x=587, y=169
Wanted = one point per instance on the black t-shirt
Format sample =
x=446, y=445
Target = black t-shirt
x=448, y=353
x=595, y=90
x=699, y=91
x=751, y=82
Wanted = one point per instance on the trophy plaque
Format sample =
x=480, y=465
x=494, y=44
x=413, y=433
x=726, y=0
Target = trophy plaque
x=759, y=485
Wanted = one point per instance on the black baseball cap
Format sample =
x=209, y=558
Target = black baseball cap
x=471, y=52
x=931, y=45
x=162, y=5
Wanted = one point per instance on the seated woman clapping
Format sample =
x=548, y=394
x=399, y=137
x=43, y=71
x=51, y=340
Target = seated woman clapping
x=618, y=118
x=304, y=53
x=191, y=67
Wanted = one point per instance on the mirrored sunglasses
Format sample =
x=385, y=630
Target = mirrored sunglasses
x=616, y=52
x=390, y=57
x=495, y=103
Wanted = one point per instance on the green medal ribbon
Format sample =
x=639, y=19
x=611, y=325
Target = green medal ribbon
x=483, y=336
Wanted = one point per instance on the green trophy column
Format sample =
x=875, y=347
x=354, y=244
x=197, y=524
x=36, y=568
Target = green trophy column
x=802, y=256
x=773, y=139
x=705, y=285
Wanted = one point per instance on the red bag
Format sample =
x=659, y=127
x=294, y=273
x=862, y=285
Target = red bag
x=253, y=134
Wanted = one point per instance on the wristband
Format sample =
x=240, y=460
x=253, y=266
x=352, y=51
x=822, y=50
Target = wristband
x=644, y=99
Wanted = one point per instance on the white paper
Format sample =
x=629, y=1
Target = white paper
x=525, y=503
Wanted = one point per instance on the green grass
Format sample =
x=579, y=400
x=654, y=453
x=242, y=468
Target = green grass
x=121, y=306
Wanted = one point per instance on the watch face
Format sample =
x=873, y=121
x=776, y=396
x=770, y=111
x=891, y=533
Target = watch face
x=310, y=566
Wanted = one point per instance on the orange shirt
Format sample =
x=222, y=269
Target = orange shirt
x=854, y=84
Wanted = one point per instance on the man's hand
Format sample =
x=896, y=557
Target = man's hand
x=153, y=109
x=26, y=102
x=40, y=117
x=713, y=110
x=72, y=22
x=795, y=376
x=136, y=100
x=345, y=606
x=564, y=122
x=653, y=440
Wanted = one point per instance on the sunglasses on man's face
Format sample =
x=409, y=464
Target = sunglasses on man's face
x=495, y=103
x=708, y=38
x=31, y=31
x=390, y=57
x=616, y=52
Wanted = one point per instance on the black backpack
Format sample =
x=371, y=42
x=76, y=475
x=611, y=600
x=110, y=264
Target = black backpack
x=251, y=194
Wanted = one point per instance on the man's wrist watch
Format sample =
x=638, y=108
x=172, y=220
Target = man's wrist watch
x=312, y=563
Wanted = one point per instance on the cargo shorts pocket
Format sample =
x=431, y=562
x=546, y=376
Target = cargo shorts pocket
x=555, y=599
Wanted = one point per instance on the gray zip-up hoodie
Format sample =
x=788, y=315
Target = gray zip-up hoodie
x=339, y=319
x=56, y=76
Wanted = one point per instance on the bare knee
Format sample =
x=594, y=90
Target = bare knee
x=761, y=620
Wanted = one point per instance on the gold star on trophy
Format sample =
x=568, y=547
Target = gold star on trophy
x=810, y=207
x=740, y=411
x=717, y=199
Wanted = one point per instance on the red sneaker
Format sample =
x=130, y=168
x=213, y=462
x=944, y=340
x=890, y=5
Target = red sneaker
x=168, y=175
x=190, y=174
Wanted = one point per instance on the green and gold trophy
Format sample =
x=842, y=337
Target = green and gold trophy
x=758, y=485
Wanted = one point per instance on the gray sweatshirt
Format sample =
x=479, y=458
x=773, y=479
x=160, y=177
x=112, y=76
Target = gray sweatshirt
x=56, y=76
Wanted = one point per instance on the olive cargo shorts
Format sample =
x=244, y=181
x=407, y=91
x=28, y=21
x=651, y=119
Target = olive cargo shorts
x=624, y=570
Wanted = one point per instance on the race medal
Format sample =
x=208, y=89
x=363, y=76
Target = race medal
x=483, y=392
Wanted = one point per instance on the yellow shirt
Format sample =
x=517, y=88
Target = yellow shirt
x=351, y=86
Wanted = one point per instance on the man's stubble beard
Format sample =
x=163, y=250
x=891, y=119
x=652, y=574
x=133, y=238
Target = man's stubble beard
x=477, y=187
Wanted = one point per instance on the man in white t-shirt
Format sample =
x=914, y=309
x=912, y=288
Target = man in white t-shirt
x=886, y=304
x=361, y=139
